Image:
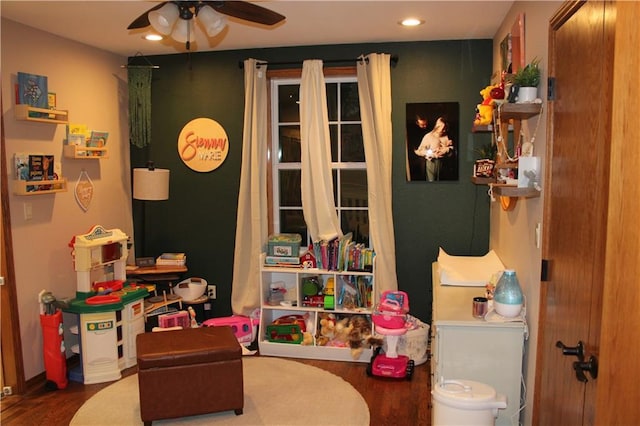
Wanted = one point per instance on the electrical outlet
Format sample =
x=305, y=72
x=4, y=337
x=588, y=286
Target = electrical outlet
x=211, y=291
x=7, y=390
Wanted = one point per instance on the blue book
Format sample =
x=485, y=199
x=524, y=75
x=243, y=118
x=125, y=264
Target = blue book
x=33, y=90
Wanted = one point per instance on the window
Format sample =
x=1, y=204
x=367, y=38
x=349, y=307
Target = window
x=347, y=156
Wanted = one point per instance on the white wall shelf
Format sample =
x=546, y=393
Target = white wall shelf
x=291, y=280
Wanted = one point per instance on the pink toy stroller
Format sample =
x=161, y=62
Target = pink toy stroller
x=389, y=318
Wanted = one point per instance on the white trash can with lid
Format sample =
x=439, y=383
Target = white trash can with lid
x=465, y=402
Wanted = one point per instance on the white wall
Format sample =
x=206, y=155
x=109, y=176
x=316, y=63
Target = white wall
x=91, y=84
x=512, y=233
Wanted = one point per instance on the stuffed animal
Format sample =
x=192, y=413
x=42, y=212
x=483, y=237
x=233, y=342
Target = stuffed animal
x=307, y=339
x=484, y=111
x=327, y=329
x=343, y=330
x=360, y=336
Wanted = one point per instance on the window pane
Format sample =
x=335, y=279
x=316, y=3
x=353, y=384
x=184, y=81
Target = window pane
x=292, y=222
x=290, y=195
x=333, y=134
x=356, y=222
x=289, y=148
x=349, y=102
x=353, y=188
x=332, y=101
x=352, y=146
x=288, y=110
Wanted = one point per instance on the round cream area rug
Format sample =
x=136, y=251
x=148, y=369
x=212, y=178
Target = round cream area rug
x=276, y=392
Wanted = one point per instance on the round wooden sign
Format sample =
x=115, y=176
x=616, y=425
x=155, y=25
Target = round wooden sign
x=203, y=144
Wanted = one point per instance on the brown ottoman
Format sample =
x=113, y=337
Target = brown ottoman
x=189, y=372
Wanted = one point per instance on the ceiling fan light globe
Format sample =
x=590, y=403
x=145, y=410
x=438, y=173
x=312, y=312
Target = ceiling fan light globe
x=163, y=19
x=211, y=21
x=181, y=31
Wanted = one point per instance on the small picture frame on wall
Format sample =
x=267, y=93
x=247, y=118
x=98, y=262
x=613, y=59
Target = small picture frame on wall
x=432, y=141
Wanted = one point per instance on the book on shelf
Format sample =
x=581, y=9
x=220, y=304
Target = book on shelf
x=97, y=139
x=282, y=260
x=77, y=129
x=33, y=90
x=41, y=167
x=172, y=259
x=77, y=139
x=21, y=166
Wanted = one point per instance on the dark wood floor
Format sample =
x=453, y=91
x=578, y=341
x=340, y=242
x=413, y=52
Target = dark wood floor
x=391, y=402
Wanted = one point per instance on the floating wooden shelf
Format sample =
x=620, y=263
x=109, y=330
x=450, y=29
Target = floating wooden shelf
x=519, y=111
x=85, y=152
x=482, y=180
x=502, y=190
x=41, y=115
x=507, y=165
x=23, y=187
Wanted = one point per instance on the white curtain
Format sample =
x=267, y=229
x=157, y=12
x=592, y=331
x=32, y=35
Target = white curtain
x=318, y=205
x=252, y=227
x=374, y=89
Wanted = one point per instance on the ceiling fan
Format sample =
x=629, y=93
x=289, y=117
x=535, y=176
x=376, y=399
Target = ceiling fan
x=175, y=17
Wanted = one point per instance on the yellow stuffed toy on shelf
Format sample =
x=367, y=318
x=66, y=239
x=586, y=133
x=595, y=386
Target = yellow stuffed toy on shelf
x=484, y=110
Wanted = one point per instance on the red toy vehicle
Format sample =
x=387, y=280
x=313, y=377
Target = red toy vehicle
x=389, y=318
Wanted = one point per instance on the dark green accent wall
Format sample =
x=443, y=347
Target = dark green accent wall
x=200, y=216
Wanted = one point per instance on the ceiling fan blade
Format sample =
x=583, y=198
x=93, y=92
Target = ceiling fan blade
x=142, y=21
x=247, y=11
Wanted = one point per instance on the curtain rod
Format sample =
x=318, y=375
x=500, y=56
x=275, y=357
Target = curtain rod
x=394, y=61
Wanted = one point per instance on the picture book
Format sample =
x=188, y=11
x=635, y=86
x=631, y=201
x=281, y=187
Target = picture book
x=33, y=90
x=76, y=139
x=98, y=139
x=41, y=167
x=21, y=166
x=77, y=129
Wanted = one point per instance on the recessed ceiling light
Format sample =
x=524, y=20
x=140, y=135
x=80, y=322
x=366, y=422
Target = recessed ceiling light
x=153, y=37
x=411, y=22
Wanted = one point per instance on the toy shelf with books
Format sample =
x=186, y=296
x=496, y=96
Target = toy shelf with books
x=316, y=313
x=40, y=187
x=85, y=152
x=37, y=174
x=42, y=115
x=82, y=143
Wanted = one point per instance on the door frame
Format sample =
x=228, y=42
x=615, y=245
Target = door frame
x=11, y=349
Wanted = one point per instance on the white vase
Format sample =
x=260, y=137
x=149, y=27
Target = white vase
x=527, y=95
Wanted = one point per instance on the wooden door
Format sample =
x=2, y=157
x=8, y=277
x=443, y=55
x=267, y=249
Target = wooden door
x=575, y=216
x=617, y=402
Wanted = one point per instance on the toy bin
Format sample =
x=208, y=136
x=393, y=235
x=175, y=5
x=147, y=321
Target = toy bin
x=284, y=245
x=415, y=342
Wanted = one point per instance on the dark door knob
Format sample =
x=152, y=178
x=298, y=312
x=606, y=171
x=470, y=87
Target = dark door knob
x=577, y=351
x=591, y=366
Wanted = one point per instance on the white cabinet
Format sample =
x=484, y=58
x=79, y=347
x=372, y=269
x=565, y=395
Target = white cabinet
x=467, y=348
x=282, y=295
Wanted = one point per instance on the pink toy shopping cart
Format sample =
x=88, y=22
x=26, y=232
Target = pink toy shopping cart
x=389, y=318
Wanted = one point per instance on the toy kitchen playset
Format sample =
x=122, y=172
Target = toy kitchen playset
x=109, y=311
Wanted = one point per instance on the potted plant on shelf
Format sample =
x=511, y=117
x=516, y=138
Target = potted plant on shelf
x=526, y=80
x=486, y=162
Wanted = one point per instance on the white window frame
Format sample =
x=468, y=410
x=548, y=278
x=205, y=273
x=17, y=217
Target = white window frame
x=275, y=140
